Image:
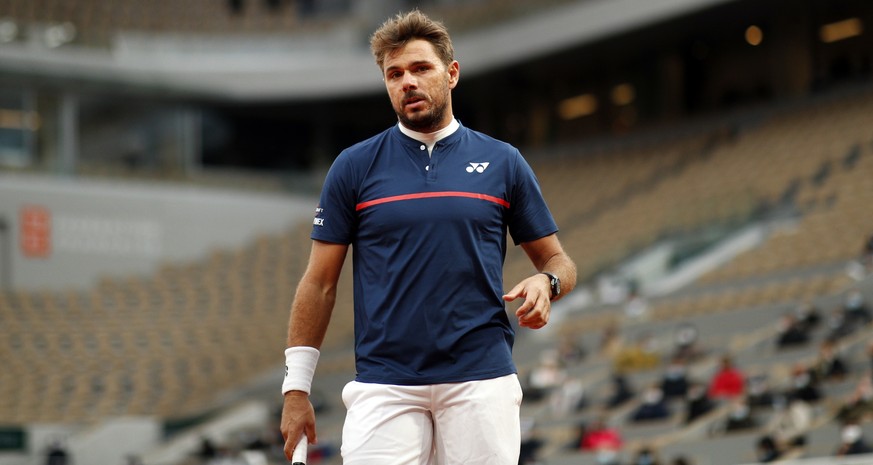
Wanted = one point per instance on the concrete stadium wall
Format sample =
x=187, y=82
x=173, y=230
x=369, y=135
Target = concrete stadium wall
x=58, y=233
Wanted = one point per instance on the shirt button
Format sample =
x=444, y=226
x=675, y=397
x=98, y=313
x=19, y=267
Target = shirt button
x=423, y=147
x=427, y=168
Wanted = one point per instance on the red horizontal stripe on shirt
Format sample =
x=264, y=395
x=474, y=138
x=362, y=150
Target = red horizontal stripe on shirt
x=430, y=195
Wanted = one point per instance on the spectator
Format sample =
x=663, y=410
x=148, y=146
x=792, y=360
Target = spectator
x=674, y=383
x=646, y=456
x=639, y=356
x=610, y=342
x=856, y=308
x=681, y=460
x=531, y=443
x=686, y=342
x=621, y=391
x=740, y=416
x=545, y=377
x=767, y=450
x=758, y=391
x=602, y=439
x=57, y=455
x=698, y=402
x=859, y=405
x=568, y=398
x=653, y=407
x=840, y=324
x=636, y=307
x=791, y=332
x=570, y=351
x=728, y=382
x=829, y=366
x=804, y=386
x=852, y=441
x=808, y=315
x=789, y=424
x=207, y=449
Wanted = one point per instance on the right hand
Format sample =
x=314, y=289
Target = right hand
x=298, y=417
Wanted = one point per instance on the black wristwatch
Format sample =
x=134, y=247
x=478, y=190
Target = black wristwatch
x=555, y=284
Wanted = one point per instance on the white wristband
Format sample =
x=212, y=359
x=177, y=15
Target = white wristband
x=300, y=364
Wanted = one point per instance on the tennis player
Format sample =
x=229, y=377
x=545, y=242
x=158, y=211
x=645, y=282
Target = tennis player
x=426, y=206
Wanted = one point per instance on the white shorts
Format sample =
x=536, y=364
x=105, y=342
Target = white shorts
x=471, y=423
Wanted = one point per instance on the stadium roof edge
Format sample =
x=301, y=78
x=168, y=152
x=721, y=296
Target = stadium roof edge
x=283, y=73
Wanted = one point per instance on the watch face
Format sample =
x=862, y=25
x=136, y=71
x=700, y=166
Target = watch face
x=555, y=284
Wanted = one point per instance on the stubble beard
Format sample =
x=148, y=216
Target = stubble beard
x=427, y=120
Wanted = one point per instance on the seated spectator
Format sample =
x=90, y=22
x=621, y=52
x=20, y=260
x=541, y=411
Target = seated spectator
x=653, y=407
x=599, y=436
x=686, y=344
x=789, y=423
x=570, y=351
x=57, y=455
x=758, y=391
x=697, y=402
x=829, y=366
x=636, y=306
x=767, y=450
x=674, y=383
x=839, y=324
x=857, y=310
x=546, y=376
x=852, y=441
x=621, y=391
x=728, y=382
x=531, y=443
x=791, y=332
x=610, y=342
x=858, y=407
x=568, y=398
x=641, y=355
x=646, y=456
x=803, y=385
x=808, y=315
x=740, y=416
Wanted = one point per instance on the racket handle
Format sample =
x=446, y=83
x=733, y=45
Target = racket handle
x=299, y=455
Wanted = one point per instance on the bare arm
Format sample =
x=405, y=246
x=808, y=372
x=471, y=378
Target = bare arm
x=316, y=294
x=310, y=315
x=546, y=254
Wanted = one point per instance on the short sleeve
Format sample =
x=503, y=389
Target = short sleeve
x=335, y=219
x=529, y=216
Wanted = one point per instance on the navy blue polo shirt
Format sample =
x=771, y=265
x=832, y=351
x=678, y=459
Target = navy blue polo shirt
x=428, y=237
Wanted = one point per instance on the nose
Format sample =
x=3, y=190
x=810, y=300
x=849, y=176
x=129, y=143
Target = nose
x=409, y=82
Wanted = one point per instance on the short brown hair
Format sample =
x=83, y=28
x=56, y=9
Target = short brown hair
x=404, y=28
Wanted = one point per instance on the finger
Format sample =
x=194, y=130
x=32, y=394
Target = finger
x=513, y=294
x=290, y=443
x=310, y=433
x=524, y=308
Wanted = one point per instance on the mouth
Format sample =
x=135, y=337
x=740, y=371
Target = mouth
x=414, y=103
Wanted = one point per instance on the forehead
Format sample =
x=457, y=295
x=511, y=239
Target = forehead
x=414, y=51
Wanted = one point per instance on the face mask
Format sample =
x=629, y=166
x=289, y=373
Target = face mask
x=851, y=434
x=606, y=456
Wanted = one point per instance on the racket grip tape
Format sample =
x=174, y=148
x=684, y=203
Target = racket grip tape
x=299, y=455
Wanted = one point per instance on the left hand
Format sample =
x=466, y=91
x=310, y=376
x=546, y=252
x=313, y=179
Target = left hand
x=534, y=312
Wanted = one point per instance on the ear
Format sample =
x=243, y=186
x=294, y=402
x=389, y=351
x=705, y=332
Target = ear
x=454, y=71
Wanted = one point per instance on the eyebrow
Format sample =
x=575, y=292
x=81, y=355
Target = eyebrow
x=413, y=64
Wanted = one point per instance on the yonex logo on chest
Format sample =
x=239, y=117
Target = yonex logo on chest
x=478, y=167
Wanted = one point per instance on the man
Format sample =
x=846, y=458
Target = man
x=426, y=206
